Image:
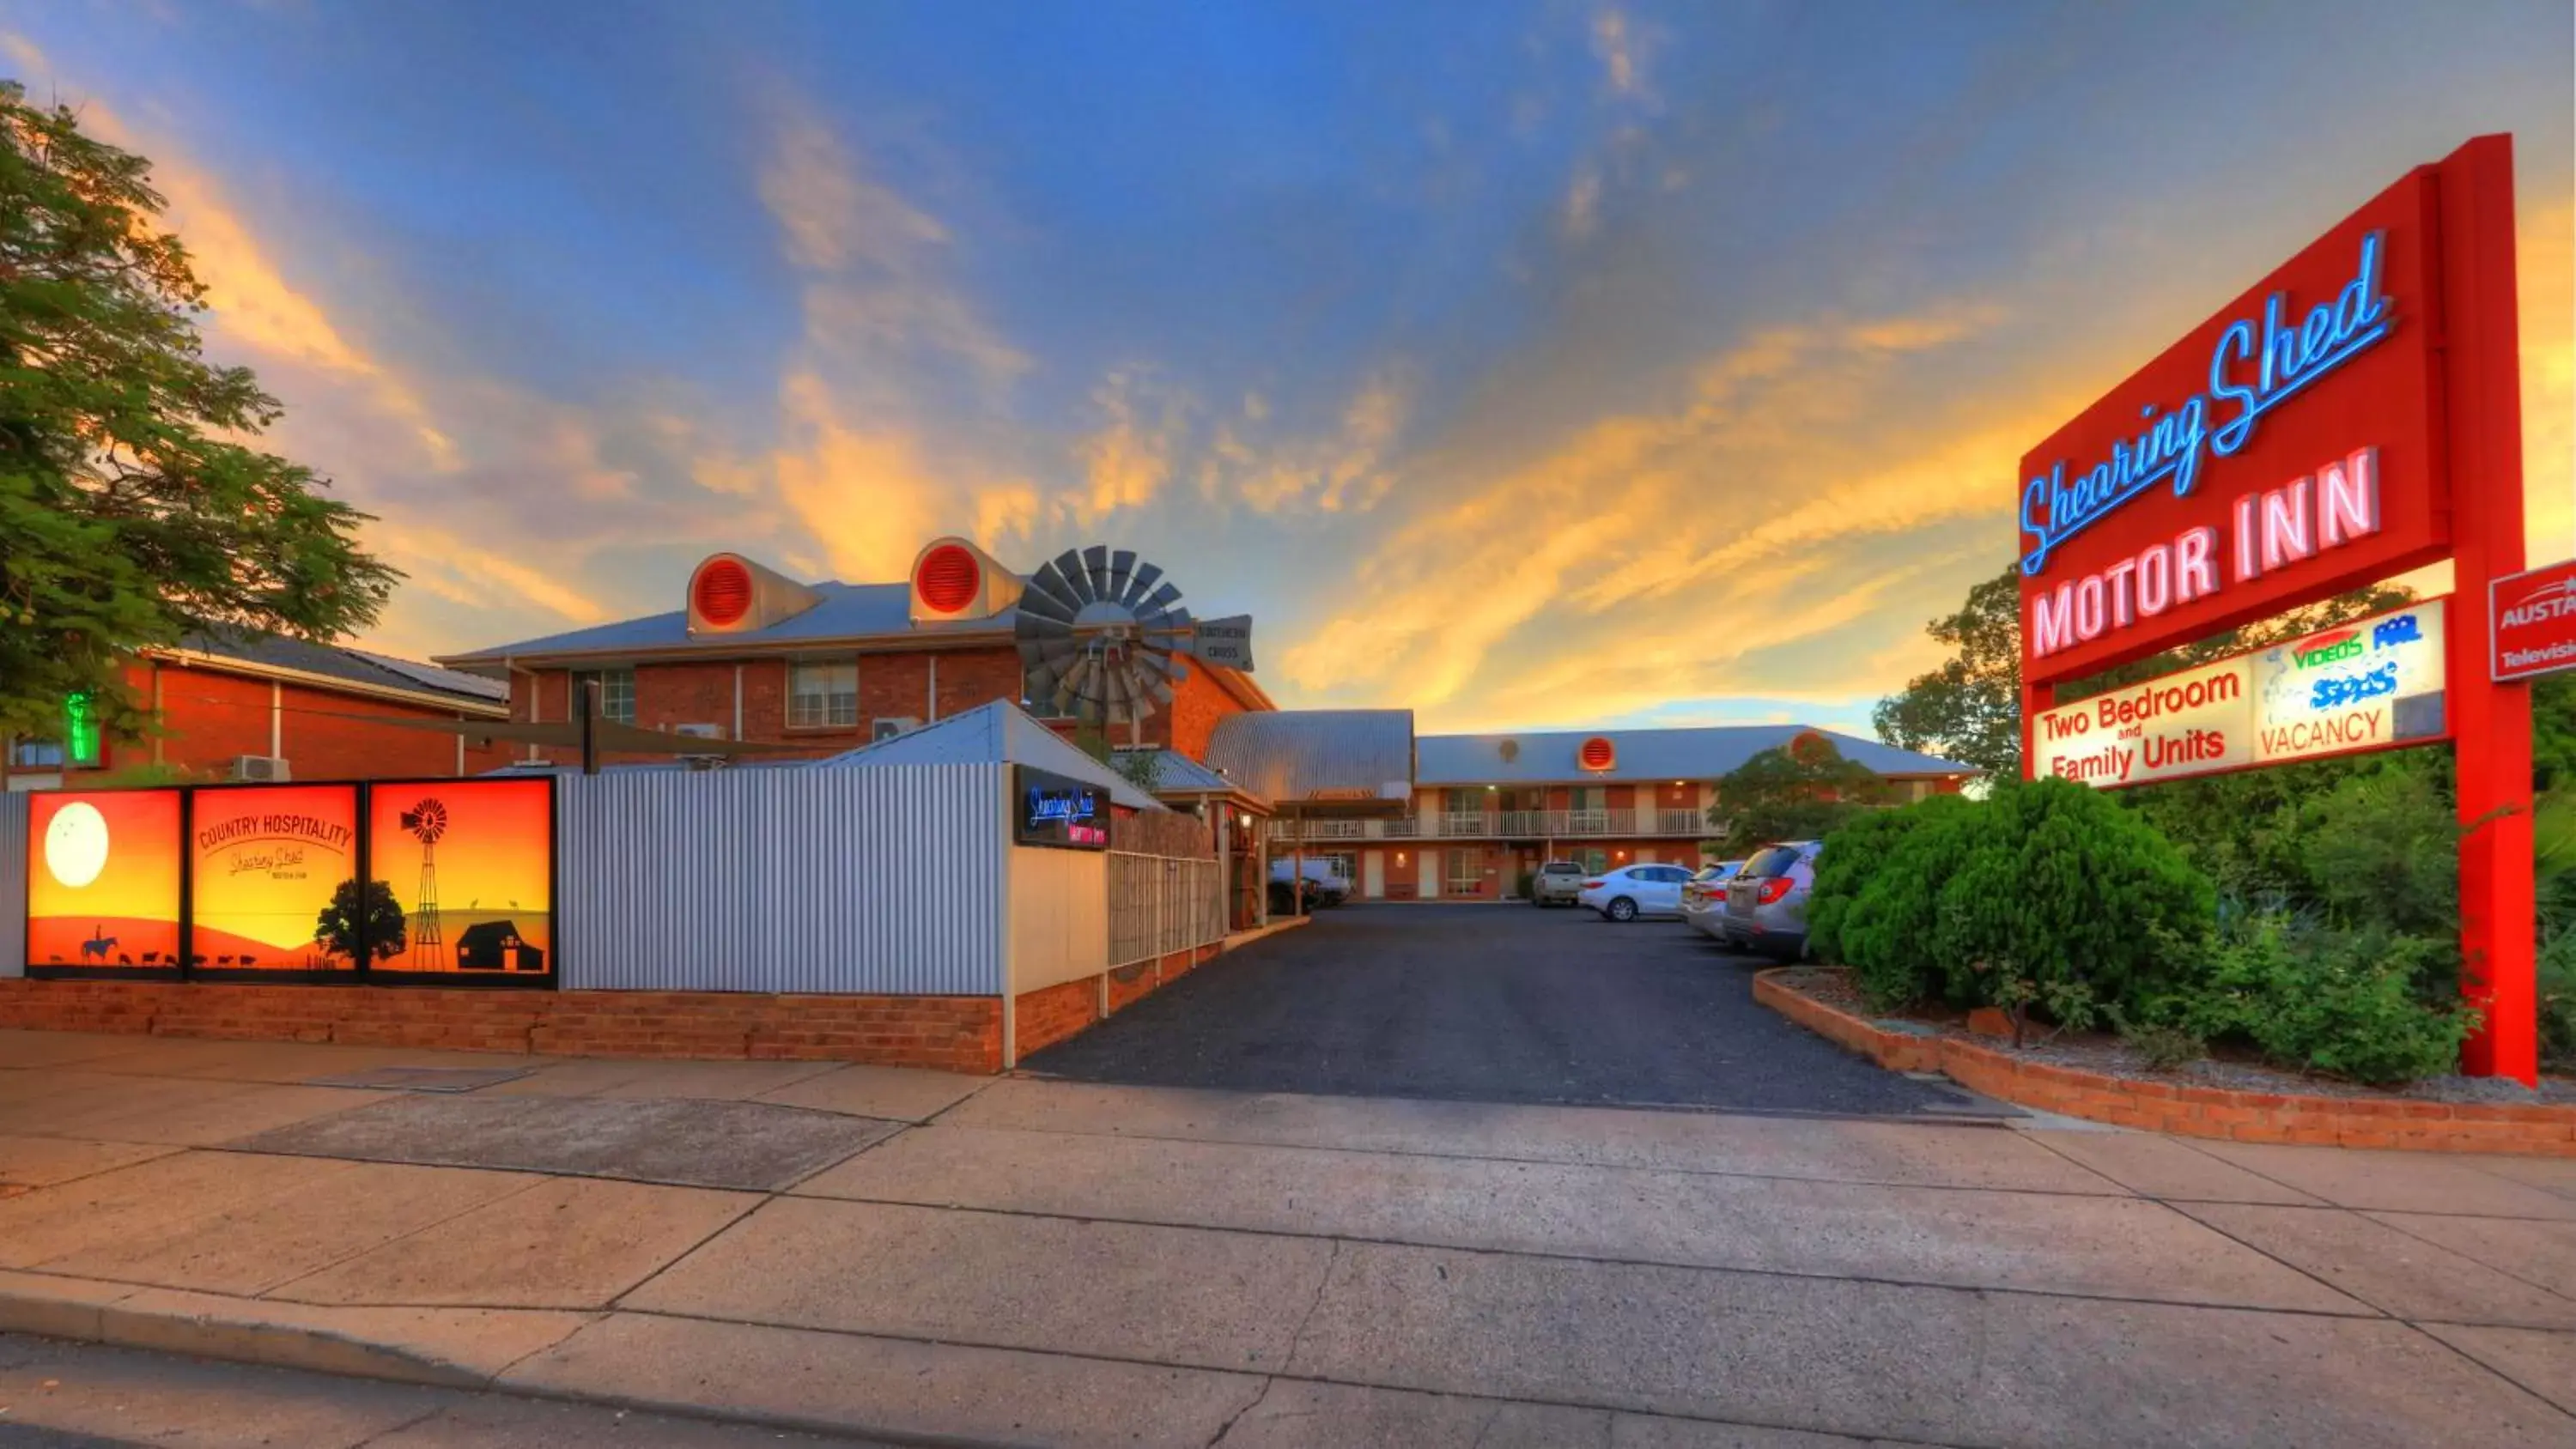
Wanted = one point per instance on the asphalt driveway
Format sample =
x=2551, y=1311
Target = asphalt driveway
x=1485, y=1003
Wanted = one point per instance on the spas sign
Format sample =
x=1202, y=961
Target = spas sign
x=2532, y=622
x=2287, y=448
x=2366, y=685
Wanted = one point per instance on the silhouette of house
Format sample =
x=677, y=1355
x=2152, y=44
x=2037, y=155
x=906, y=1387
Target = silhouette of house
x=495, y=946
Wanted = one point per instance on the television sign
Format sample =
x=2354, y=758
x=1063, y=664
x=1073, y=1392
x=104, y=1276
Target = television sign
x=1058, y=811
x=2531, y=622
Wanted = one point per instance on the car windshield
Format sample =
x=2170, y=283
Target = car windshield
x=1770, y=861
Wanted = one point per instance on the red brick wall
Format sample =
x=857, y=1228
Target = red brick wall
x=953, y=1033
x=975, y=677
x=209, y=718
x=891, y=686
x=1041, y=1018
x=1198, y=702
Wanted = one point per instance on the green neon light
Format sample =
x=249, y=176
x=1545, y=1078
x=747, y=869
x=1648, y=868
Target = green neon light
x=80, y=732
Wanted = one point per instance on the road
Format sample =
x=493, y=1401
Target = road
x=1484, y=1003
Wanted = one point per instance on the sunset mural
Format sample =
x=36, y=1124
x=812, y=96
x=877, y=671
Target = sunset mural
x=103, y=879
x=265, y=861
x=483, y=852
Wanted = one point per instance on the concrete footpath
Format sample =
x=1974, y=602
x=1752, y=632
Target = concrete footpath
x=905, y=1255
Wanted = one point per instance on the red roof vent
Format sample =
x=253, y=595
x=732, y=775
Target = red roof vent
x=721, y=594
x=1596, y=753
x=947, y=578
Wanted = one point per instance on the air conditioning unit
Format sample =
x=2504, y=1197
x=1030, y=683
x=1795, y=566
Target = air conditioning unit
x=886, y=729
x=700, y=731
x=270, y=768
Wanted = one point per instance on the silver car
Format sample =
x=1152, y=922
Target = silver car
x=1766, y=902
x=1556, y=883
x=1704, y=899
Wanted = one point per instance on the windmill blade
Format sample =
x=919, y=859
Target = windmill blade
x=1095, y=571
x=1161, y=599
x=1146, y=576
x=1038, y=684
x=1068, y=565
x=1122, y=566
x=1054, y=595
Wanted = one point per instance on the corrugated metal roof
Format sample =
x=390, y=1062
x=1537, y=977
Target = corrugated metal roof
x=1176, y=773
x=1668, y=754
x=848, y=611
x=995, y=733
x=1292, y=754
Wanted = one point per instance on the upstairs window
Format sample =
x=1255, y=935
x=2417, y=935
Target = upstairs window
x=616, y=693
x=823, y=695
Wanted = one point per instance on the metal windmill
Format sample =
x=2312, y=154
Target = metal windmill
x=426, y=821
x=1096, y=631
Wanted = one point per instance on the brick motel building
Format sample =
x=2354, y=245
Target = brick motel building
x=262, y=707
x=909, y=735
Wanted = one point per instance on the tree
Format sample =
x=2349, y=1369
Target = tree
x=130, y=510
x=1969, y=709
x=344, y=924
x=1798, y=792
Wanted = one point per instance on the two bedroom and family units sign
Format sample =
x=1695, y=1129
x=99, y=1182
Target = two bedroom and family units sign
x=263, y=882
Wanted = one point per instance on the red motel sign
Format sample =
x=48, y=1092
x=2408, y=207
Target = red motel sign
x=2532, y=622
x=2353, y=415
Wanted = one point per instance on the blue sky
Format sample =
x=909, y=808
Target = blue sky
x=1529, y=364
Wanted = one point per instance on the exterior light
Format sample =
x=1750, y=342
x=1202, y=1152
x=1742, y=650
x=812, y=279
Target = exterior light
x=1247, y=820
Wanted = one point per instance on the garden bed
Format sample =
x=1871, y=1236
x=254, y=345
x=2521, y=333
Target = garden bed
x=2102, y=1079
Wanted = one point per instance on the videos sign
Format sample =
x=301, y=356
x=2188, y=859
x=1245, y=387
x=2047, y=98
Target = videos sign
x=2366, y=685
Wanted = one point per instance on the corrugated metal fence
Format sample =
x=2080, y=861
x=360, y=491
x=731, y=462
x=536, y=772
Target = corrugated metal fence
x=878, y=880
x=13, y=884
x=1159, y=905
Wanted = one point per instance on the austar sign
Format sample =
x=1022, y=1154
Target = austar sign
x=2533, y=622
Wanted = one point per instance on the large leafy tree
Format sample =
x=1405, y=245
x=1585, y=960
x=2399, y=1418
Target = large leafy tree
x=132, y=507
x=1800, y=791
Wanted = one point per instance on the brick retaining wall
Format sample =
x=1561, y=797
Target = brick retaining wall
x=2548, y=1131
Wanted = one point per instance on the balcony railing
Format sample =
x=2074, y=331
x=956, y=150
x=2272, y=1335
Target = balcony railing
x=1506, y=825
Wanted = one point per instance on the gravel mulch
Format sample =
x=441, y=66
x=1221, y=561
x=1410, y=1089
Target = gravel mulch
x=2228, y=1070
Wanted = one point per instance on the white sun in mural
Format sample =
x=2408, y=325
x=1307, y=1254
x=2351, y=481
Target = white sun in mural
x=76, y=844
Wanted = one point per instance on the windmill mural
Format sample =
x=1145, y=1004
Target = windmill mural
x=426, y=821
x=1097, y=630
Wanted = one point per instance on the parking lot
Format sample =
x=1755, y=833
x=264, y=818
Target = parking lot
x=1484, y=1002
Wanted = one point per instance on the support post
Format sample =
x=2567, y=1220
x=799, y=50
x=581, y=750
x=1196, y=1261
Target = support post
x=589, y=714
x=2490, y=722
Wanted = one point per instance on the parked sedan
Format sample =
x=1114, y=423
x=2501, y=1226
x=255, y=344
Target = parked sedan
x=1635, y=890
x=1557, y=883
x=1704, y=897
x=1766, y=902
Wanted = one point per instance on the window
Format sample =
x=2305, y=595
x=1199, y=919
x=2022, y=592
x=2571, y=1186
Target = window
x=36, y=755
x=1466, y=873
x=1594, y=861
x=1463, y=802
x=823, y=695
x=1589, y=797
x=616, y=693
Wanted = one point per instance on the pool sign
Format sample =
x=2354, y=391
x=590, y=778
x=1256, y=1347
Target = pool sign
x=2351, y=416
x=2532, y=619
x=2366, y=685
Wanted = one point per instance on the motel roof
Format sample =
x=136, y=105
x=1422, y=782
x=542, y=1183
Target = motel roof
x=1705, y=753
x=846, y=613
x=995, y=733
x=382, y=676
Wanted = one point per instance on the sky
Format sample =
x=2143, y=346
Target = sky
x=1528, y=364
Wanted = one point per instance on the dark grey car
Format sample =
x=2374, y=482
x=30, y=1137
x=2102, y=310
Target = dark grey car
x=1766, y=902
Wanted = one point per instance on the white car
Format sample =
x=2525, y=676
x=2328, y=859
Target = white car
x=1635, y=890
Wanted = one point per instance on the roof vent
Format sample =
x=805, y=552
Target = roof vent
x=952, y=579
x=729, y=594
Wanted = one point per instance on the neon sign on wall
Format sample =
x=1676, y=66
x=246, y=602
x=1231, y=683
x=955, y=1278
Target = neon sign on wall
x=2175, y=445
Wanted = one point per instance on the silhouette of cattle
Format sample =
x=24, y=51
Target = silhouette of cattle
x=223, y=960
x=249, y=960
x=151, y=957
x=124, y=959
x=198, y=959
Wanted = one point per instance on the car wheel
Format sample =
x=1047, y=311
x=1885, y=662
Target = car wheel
x=1623, y=909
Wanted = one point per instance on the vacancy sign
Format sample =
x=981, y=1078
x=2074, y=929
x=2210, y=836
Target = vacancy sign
x=2365, y=685
x=2532, y=622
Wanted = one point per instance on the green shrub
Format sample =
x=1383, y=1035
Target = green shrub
x=2343, y=1002
x=1852, y=855
x=2046, y=894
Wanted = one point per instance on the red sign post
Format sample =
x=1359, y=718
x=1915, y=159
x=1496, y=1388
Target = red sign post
x=2353, y=415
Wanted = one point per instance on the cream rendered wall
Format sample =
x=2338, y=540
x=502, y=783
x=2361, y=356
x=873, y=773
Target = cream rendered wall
x=1059, y=916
